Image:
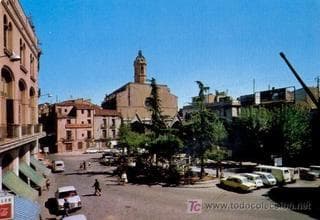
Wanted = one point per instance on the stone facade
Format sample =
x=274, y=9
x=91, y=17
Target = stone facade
x=19, y=59
x=130, y=99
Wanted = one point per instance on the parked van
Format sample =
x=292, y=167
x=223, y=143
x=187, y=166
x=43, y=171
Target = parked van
x=315, y=169
x=57, y=166
x=294, y=174
x=282, y=174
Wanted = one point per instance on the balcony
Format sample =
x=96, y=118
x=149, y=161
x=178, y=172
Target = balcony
x=17, y=131
x=70, y=126
x=13, y=135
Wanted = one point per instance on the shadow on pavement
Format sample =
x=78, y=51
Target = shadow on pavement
x=300, y=199
x=51, y=205
x=91, y=194
x=89, y=173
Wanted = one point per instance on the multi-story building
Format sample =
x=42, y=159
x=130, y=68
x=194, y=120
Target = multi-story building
x=19, y=128
x=81, y=125
x=221, y=104
x=130, y=100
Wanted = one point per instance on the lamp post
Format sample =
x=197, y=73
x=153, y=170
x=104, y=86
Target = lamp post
x=13, y=57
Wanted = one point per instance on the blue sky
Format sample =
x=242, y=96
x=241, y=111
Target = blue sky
x=89, y=45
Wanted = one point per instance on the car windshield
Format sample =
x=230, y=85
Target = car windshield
x=269, y=176
x=67, y=194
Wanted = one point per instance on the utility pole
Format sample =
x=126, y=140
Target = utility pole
x=318, y=82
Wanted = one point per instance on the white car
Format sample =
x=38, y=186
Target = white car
x=75, y=217
x=92, y=150
x=254, y=178
x=69, y=193
x=267, y=178
x=58, y=166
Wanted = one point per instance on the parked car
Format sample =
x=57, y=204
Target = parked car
x=238, y=182
x=69, y=193
x=267, y=178
x=306, y=174
x=92, y=150
x=315, y=169
x=254, y=178
x=294, y=174
x=281, y=174
x=107, y=160
x=57, y=166
x=75, y=217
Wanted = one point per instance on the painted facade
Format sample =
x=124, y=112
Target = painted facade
x=19, y=63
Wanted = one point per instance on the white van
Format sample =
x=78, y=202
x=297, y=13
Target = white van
x=315, y=169
x=57, y=166
x=294, y=173
x=282, y=174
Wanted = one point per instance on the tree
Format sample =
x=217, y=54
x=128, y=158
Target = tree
x=157, y=120
x=295, y=129
x=253, y=127
x=131, y=140
x=204, y=129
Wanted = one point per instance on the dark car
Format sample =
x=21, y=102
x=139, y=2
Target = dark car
x=306, y=174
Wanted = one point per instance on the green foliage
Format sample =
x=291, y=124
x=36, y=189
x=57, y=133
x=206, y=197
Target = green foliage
x=165, y=146
x=158, y=125
x=204, y=129
x=216, y=153
x=283, y=131
x=131, y=140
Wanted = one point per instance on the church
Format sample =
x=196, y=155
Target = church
x=130, y=99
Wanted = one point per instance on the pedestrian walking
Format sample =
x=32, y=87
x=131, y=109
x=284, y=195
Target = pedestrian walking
x=84, y=165
x=66, y=208
x=124, y=178
x=97, y=189
x=48, y=184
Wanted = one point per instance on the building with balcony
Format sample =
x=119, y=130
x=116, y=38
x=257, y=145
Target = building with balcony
x=19, y=128
x=224, y=106
x=130, y=99
x=81, y=125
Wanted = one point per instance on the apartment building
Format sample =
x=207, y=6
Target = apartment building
x=81, y=125
x=19, y=128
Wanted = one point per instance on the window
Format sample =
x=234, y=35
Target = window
x=69, y=135
x=104, y=122
x=104, y=134
x=68, y=121
x=65, y=110
x=68, y=147
x=89, y=134
x=89, y=113
x=82, y=111
x=89, y=121
x=113, y=122
x=79, y=145
x=113, y=134
x=59, y=110
x=31, y=65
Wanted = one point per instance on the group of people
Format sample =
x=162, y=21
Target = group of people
x=84, y=165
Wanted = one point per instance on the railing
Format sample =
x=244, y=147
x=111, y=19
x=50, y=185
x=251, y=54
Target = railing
x=13, y=131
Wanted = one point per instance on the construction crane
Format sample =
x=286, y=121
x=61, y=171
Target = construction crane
x=304, y=86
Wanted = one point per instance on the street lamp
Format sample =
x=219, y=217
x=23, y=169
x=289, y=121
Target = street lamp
x=13, y=57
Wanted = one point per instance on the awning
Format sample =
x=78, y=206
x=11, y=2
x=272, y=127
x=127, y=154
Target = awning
x=25, y=209
x=18, y=186
x=40, y=166
x=32, y=174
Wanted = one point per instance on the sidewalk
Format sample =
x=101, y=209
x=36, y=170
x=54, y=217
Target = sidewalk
x=43, y=199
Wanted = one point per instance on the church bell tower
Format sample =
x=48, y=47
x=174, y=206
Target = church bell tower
x=140, y=68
